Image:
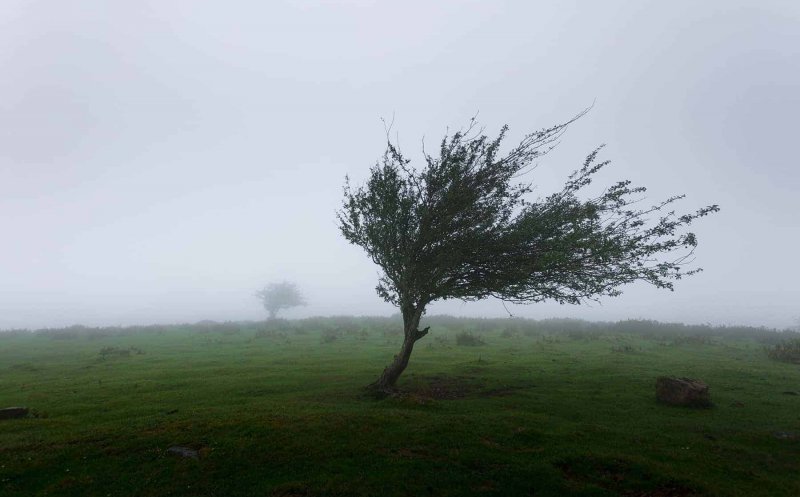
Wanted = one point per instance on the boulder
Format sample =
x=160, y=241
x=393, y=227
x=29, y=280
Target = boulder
x=682, y=392
x=13, y=412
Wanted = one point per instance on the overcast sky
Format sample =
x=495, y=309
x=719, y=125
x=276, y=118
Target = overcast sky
x=162, y=160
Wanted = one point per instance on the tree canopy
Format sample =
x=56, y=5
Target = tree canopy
x=278, y=296
x=463, y=227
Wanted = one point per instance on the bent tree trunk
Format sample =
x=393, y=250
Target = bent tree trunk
x=387, y=380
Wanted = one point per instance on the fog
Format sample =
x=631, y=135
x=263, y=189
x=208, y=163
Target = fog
x=162, y=161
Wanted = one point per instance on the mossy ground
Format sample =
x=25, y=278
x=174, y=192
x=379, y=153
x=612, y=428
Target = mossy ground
x=285, y=414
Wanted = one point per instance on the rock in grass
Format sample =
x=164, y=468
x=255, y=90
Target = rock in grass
x=183, y=452
x=686, y=392
x=13, y=412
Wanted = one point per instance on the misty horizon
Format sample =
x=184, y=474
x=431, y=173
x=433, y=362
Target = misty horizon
x=160, y=163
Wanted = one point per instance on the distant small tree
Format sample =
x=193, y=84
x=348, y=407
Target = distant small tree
x=277, y=296
x=463, y=228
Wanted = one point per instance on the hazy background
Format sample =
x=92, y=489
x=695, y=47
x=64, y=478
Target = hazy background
x=162, y=160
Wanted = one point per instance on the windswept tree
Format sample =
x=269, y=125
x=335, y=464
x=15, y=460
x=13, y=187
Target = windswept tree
x=277, y=296
x=463, y=227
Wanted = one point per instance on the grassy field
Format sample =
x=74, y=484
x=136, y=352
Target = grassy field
x=538, y=409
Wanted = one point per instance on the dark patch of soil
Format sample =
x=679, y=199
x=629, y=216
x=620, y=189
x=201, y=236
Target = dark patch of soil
x=69, y=483
x=444, y=387
x=418, y=452
x=291, y=489
x=623, y=477
x=183, y=452
x=485, y=486
x=412, y=453
x=504, y=391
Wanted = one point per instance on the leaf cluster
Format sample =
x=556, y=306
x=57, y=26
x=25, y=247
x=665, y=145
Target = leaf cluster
x=462, y=227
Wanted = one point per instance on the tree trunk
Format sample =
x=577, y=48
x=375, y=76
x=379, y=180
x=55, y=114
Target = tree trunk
x=272, y=314
x=386, y=382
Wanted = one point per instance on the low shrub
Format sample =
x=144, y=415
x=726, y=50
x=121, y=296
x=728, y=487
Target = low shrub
x=467, y=339
x=509, y=333
x=107, y=352
x=788, y=351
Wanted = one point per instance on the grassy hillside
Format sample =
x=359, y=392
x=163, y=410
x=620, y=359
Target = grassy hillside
x=531, y=408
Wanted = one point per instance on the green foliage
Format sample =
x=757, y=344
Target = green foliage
x=107, y=352
x=277, y=296
x=509, y=332
x=329, y=336
x=462, y=227
x=467, y=339
x=788, y=351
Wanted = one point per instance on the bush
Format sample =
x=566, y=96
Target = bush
x=467, y=339
x=509, y=333
x=107, y=352
x=329, y=336
x=788, y=351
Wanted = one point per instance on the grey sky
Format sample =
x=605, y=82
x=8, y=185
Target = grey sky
x=161, y=161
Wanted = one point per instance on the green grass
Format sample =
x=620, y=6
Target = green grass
x=284, y=414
